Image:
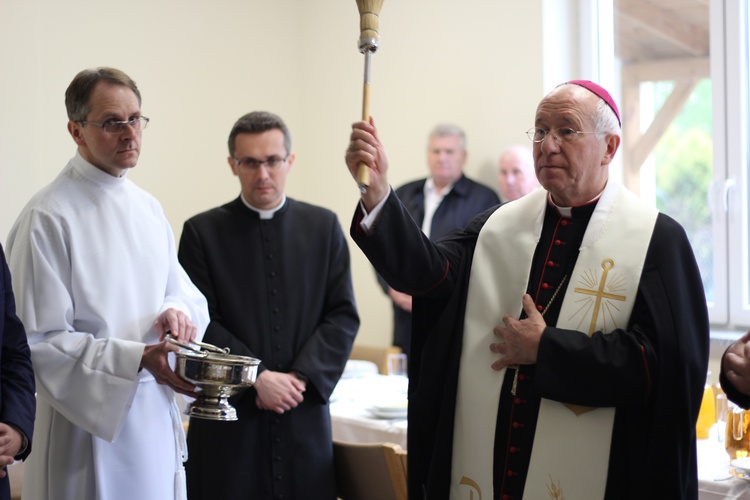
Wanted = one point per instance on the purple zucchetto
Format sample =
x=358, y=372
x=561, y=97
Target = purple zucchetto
x=601, y=92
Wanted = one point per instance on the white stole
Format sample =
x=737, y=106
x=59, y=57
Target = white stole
x=617, y=238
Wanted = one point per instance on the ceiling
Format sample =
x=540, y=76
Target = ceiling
x=654, y=30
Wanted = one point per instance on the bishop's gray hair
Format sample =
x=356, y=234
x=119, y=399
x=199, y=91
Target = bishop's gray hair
x=605, y=120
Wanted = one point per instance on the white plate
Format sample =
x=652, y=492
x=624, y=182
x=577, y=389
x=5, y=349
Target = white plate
x=388, y=413
x=741, y=463
x=357, y=368
x=740, y=474
x=392, y=408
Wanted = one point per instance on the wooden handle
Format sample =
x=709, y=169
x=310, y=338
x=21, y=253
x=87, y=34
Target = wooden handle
x=363, y=173
x=369, y=12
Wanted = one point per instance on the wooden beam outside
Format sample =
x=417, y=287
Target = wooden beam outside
x=630, y=110
x=690, y=68
x=662, y=23
x=638, y=151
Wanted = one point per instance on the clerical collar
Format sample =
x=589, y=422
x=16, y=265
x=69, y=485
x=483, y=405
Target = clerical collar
x=264, y=214
x=567, y=212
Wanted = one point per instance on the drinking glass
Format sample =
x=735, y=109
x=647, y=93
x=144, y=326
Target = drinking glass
x=707, y=414
x=722, y=408
x=397, y=365
x=737, y=437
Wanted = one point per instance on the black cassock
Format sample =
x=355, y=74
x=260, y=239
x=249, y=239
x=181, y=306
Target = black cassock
x=653, y=372
x=279, y=290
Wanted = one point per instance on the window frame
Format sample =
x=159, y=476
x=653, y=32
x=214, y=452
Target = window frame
x=733, y=192
x=729, y=311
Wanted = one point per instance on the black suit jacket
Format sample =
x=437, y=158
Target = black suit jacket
x=17, y=399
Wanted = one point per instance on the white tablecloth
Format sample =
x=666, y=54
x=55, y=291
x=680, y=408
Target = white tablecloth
x=353, y=423
x=350, y=420
x=714, y=480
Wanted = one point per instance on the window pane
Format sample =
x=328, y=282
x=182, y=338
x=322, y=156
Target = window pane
x=684, y=171
x=663, y=52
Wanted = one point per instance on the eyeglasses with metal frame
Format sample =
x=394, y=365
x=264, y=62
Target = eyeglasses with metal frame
x=271, y=162
x=117, y=126
x=561, y=134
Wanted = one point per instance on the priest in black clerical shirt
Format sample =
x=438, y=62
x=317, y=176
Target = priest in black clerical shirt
x=276, y=274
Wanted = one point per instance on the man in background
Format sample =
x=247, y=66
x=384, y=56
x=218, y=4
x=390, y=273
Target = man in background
x=277, y=277
x=98, y=287
x=515, y=173
x=440, y=203
x=17, y=398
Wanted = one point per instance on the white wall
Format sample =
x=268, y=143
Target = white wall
x=200, y=65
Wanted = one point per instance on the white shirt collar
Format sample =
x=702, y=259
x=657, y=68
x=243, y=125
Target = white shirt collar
x=95, y=174
x=567, y=212
x=431, y=190
x=264, y=214
x=432, y=200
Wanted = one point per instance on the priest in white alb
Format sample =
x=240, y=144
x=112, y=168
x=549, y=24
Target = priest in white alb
x=560, y=341
x=98, y=286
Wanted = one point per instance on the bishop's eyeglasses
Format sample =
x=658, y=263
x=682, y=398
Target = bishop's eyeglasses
x=271, y=162
x=561, y=134
x=119, y=126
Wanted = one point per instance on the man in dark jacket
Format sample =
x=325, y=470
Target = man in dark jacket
x=440, y=203
x=17, y=400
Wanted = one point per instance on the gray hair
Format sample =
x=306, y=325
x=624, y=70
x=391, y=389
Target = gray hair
x=257, y=122
x=605, y=120
x=449, y=130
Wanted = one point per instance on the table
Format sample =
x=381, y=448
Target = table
x=714, y=480
x=351, y=422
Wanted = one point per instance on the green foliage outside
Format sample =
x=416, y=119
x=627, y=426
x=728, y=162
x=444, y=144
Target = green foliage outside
x=684, y=171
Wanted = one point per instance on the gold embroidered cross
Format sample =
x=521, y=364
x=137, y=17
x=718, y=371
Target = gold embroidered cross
x=600, y=294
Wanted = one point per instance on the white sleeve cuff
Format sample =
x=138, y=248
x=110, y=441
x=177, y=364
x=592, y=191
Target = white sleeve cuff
x=369, y=220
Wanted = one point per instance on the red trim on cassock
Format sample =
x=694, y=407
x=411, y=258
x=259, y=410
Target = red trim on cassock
x=442, y=278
